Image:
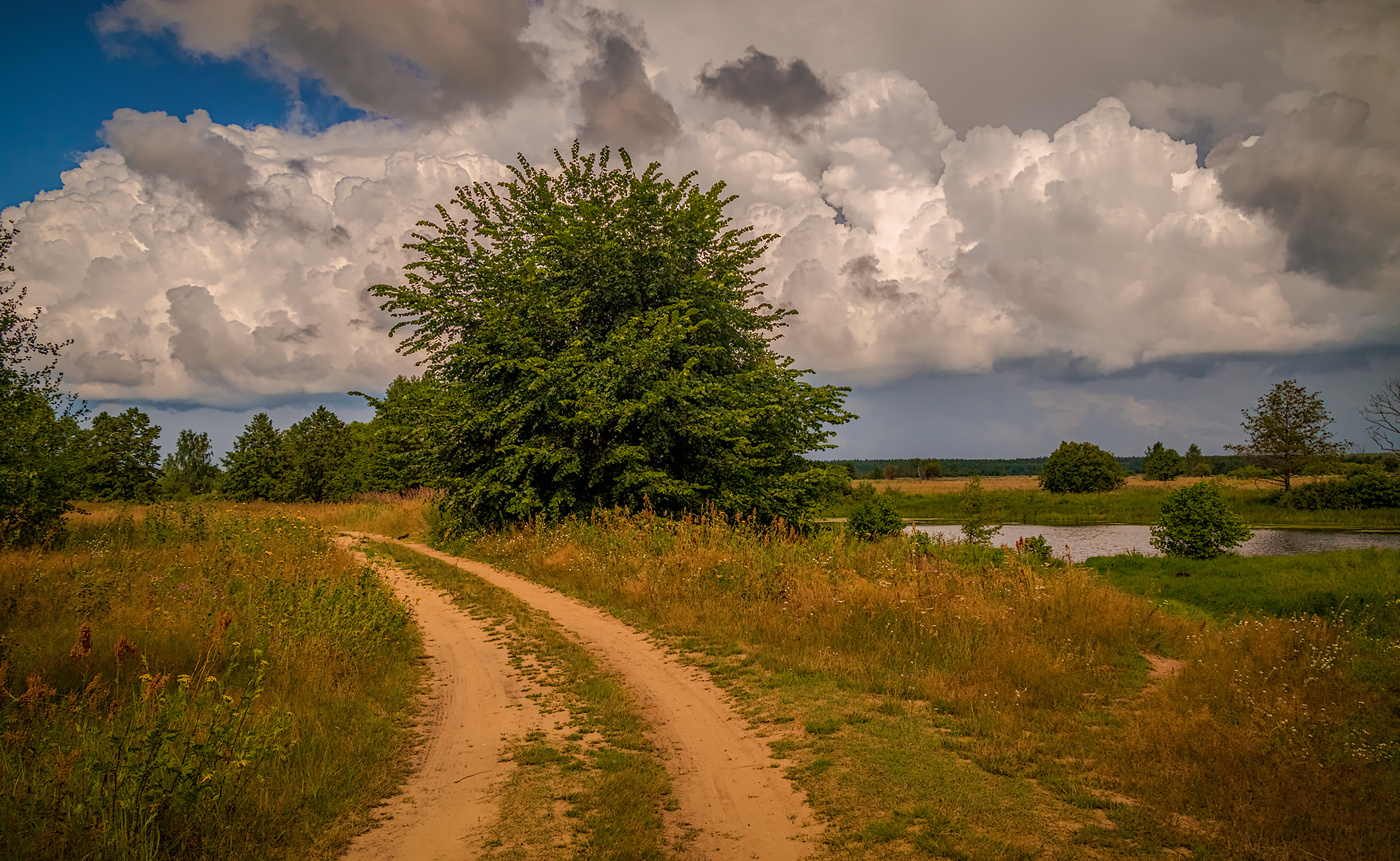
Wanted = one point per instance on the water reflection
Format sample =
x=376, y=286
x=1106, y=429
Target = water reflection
x=1081, y=542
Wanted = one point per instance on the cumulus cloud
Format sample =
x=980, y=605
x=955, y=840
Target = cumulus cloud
x=195, y=262
x=620, y=107
x=414, y=58
x=758, y=81
x=189, y=154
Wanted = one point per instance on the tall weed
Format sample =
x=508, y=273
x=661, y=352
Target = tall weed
x=187, y=681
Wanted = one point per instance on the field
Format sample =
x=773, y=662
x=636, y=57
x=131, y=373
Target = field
x=186, y=682
x=930, y=701
x=1018, y=499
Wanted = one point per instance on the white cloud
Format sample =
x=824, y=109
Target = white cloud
x=194, y=262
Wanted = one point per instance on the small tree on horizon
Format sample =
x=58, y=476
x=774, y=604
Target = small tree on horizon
x=253, y=467
x=1081, y=467
x=190, y=471
x=1162, y=464
x=1288, y=432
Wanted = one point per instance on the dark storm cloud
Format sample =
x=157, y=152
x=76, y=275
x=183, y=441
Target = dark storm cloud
x=189, y=154
x=202, y=342
x=1319, y=179
x=620, y=108
x=107, y=366
x=415, y=58
x=758, y=81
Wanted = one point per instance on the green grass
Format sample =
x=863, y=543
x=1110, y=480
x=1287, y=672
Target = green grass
x=1362, y=586
x=1137, y=503
x=614, y=788
x=197, y=682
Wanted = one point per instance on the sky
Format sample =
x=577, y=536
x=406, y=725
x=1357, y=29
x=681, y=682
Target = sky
x=1004, y=223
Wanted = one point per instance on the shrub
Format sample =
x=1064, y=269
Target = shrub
x=875, y=519
x=973, y=504
x=1197, y=523
x=1362, y=490
x=1081, y=467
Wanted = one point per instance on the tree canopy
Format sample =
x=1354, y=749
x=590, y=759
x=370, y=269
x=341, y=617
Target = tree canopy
x=1382, y=415
x=38, y=426
x=1162, y=464
x=605, y=341
x=1081, y=467
x=1288, y=431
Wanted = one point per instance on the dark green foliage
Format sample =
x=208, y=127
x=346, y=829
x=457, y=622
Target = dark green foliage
x=254, y=466
x=121, y=459
x=604, y=335
x=313, y=450
x=1081, y=467
x=190, y=471
x=1162, y=464
x=396, y=451
x=1369, y=489
x=875, y=518
x=38, y=427
x=1197, y=523
x=1288, y=432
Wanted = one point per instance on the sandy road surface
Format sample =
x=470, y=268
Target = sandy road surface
x=730, y=792
x=475, y=705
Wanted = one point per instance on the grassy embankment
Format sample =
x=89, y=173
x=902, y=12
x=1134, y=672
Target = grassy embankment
x=1018, y=499
x=1361, y=587
x=197, y=682
x=931, y=702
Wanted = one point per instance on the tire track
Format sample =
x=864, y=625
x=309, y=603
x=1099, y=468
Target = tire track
x=733, y=798
x=477, y=704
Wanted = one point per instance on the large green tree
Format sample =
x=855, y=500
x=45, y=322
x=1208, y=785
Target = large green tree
x=606, y=341
x=122, y=458
x=1288, y=431
x=253, y=467
x=1081, y=467
x=38, y=424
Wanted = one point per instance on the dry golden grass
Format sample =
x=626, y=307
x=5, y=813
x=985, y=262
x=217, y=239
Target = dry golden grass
x=1276, y=739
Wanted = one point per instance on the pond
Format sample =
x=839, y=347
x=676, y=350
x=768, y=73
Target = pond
x=1081, y=542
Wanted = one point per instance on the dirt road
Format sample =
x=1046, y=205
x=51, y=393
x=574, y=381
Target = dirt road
x=475, y=704
x=731, y=793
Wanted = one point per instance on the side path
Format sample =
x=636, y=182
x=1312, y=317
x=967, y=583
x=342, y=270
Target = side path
x=475, y=706
x=731, y=793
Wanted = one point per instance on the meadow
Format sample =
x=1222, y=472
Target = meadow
x=205, y=681
x=1018, y=499
x=932, y=700
x=962, y=703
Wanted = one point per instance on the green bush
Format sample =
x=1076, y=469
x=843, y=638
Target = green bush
x=1081, y=467
x=1162, y=464
x=1362, y=490
x=1197, y=523
x=875, y=519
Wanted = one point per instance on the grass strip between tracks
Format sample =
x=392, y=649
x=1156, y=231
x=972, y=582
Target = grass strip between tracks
x=591, y=788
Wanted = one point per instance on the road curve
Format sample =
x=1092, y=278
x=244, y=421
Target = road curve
x=732, y=796
x=476, y=705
